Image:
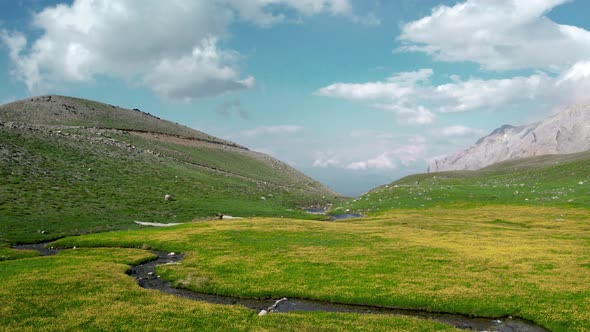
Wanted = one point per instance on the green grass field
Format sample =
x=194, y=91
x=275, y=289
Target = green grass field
x=52, y=186
x=510, y=239
x=88, y=290
x=561, y=180
x=489, y=261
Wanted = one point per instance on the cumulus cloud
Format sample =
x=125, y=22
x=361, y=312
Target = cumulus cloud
x=498, y=35
x=257, y=11
x=401, y=86
x=170, y=47
x=406, y=154
x=325, y=160
x=458, y=131
x=272, y=130
x=397, y=94
x=475, y=94
x=416, y=100
x=207, y=71
x=382, y=162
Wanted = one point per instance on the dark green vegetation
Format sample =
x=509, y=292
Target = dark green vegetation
x=88, y=290
x=59, y=175
x=553, y=180
x=489, y=261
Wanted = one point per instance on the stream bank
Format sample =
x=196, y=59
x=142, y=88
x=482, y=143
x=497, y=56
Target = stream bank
x=146, y=277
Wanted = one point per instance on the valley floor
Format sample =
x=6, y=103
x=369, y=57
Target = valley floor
x=494, y=261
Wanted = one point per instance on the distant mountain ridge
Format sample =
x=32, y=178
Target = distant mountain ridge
x=565, y=132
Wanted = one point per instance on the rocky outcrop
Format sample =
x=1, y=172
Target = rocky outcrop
x=564, y=132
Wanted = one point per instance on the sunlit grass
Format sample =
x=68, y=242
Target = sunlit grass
x=53, y=185
x=87, y=289
x=560, y=180
x=531, y=262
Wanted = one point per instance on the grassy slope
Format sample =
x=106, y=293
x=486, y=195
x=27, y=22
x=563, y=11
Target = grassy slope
x=490, y=261
x=101, y=297
x=81, y=180
x=538, y=181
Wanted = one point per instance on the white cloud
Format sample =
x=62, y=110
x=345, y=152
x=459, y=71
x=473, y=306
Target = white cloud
x=459, y=131
x=169, y=47
x=475, y=94
x=502, y=34
x=397, y=94
x=399, y=86
x=406, y=154
x=258, y=11
x=207, y=71
x=325, y=160
x=415, y=116
x=382, y=162
x=271, y=130
x=416, y=100
x=579, y=72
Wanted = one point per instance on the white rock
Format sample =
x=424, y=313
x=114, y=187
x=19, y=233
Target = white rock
x=262, y=312
x=167, y=197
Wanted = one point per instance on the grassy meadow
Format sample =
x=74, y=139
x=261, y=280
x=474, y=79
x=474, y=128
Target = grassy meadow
x=530, y=262
x=88, y=290
x=553, y=180
x=52, y=185
x=512, y=239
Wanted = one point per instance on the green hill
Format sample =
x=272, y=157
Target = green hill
x=72, y=166
x=551, y=180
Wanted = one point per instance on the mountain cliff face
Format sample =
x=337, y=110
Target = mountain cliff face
x=564, y=132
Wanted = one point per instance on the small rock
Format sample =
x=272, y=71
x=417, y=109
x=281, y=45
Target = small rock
x=167, y=197
x=581, y=182
x=171, y=254
x=150, y=274
x=262, y=312
x=263, y=198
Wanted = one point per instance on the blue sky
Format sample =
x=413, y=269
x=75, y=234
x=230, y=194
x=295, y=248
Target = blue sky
x=353, y=93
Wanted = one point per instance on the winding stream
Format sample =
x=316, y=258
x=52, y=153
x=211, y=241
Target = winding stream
x=146, y=277
x=333, y=217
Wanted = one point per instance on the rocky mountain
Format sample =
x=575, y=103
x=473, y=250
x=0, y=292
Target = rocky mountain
x=565, y=132
x=71, y=166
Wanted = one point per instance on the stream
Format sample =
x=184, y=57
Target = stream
x=333, y=217
x=146, y=277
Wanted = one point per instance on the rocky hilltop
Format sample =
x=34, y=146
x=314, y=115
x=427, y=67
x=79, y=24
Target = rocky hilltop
x=565, y=132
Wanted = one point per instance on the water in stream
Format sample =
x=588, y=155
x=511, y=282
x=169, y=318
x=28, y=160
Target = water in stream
x=146, y=277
